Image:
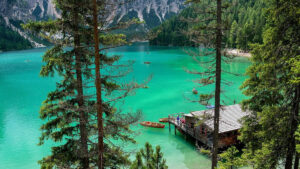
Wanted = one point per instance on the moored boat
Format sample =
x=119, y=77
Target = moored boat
x=164, y=120
x=152, y=124
x=147, y=62
x=195, y=91
x=210, y=106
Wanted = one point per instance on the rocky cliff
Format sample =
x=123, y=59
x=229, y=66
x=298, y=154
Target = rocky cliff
x=152, y=12
x=25, y=10
x=28, y=9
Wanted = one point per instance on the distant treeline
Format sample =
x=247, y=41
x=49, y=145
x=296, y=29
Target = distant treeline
x=11, y=40
x=245, y=21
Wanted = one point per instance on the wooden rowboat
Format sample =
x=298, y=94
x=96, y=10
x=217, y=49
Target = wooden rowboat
x=164, y=120
x=195, y=91
x=152, y=124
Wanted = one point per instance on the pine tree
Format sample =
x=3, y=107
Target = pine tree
x=273, y=90
x=207, y=34
x=232, y=35
x=147, y=158
x=98, y=87
x=242, y=12
x=218, y=84
x=231, y=159
x=157, y=158
x=111, y=122
x=66, y=109
x=298, y=139
x=71, y=111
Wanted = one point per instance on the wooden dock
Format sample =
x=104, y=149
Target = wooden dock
x=196, y=126
x=201, y=136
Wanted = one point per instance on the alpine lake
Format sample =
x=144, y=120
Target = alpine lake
x=22, y=92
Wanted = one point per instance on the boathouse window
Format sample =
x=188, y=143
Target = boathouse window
x=192, y=125
x=202, y=129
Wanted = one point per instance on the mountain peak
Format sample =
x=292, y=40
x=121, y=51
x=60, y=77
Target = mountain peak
x=152, y=12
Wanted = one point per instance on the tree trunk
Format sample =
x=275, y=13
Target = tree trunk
x=98, y=88
x=294, y=125
x=296, y=163
x=83, y=117
x=218, y=85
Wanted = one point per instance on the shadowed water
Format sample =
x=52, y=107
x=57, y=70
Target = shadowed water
x=22, y=92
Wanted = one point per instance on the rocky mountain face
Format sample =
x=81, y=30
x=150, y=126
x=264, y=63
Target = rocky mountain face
x=152, y=12
x=25, y=10
x=14, y=11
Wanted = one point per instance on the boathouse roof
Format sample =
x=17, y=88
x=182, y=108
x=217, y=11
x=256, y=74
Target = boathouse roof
x=229, y=117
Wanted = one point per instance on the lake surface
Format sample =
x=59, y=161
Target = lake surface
x=22, y=91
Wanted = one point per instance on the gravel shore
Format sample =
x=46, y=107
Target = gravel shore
x=237, y=52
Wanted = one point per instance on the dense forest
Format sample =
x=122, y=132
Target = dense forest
x=11, y=40
x=81, y=114
x=245, y=22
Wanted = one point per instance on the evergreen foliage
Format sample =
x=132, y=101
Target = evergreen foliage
x=147, y=158
x=70, y=111
x=11, y=40
x=170, y=31
x=298, y=139
x=274, y=90
x=245, y=22
x=207, y=33
x=230, y=159
x=66, y=111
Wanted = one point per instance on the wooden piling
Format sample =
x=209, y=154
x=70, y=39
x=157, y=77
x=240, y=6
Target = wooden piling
x=169, y=124
x=175, y=129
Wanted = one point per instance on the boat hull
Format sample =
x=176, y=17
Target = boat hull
x=164, y=120
x=152, y=124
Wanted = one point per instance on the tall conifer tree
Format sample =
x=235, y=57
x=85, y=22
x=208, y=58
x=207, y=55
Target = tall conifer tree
x=274, y=90
x=66, y=109
x=207, y=32
x=71, y=111
x=98, y=87
x=147, y=158
x=111, y=123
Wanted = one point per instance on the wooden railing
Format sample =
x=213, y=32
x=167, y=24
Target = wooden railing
x=194, y=132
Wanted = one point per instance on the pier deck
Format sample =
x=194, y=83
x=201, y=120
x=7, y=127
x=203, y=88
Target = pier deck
x=202, y=137
x=200, y=125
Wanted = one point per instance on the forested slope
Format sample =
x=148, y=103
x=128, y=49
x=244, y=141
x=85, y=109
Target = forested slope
x=11, y=40
x=245, y=20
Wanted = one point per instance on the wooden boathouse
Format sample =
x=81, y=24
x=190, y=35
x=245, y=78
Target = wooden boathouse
x=199, y=125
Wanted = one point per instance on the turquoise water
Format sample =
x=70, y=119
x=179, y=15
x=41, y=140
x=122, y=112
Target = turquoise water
x=22, y=92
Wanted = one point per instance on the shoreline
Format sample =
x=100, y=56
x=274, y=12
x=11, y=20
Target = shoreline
x=238, y=52
x=233, y=52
